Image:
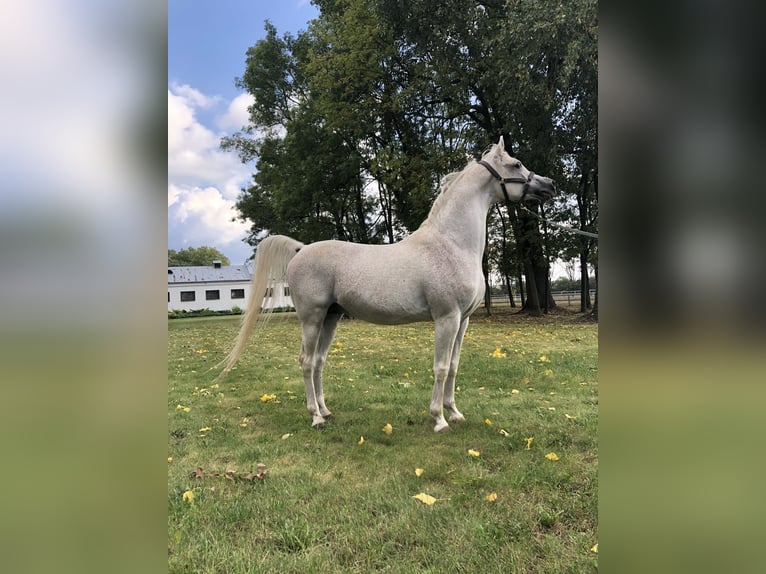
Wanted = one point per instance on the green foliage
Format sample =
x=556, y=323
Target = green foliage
x=331, y=504
x=183, y=314
x=566, y=284
x=195, y=256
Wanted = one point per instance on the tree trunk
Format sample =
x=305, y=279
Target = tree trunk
x=533, y=294
x=585, y=244
x=594, y=312
x=507, y=280
x=485, y=270
x=530, y=246
x=504, y=257
x=364, y=236
x=584, y=284
x=543, y=282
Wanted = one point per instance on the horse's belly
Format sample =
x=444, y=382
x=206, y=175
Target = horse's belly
x=385, y=310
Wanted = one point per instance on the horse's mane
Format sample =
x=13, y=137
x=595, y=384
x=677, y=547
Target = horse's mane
x=446, y=183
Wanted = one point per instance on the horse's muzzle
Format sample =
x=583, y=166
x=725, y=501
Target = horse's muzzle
x=548, y=187
x=541, y=188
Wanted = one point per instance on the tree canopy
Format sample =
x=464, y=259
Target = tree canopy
x=356, y=119
x=195, y=256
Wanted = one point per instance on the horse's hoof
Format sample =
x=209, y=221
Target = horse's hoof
x=318, y=423
x=442, y=428
x=327, y=415
x=458, y=418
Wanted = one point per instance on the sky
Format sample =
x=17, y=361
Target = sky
x=207, y=42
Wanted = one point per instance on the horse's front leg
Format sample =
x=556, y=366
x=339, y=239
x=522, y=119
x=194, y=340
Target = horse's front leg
x=445, y=333
x=449, y=386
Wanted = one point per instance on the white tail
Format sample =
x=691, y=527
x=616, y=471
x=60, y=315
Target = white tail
x=270, y=265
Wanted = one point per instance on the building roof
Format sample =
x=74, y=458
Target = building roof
x=208, y=274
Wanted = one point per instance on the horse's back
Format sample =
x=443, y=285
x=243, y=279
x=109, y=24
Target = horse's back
x=389, y=284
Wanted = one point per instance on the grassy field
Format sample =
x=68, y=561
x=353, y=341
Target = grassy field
x=252, y=488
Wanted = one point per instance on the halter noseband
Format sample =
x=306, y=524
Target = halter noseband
x=504, y=180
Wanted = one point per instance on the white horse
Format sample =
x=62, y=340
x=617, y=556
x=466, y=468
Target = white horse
x=435, y=274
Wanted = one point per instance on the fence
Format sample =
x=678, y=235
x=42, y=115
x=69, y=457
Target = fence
x=563, y=298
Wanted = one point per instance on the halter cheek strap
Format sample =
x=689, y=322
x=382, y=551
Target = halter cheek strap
x=504, y=180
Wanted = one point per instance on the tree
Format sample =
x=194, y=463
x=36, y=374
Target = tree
x=310, y=181
x=356, y=120
x=195, y=256
x=523, y=69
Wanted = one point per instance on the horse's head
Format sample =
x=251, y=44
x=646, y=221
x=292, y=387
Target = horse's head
x=517, y=183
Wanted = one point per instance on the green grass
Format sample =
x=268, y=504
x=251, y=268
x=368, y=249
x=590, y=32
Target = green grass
x=329, y=504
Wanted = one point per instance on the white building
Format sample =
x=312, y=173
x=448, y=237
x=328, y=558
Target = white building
x=218, y=288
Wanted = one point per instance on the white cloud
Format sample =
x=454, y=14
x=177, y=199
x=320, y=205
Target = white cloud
x=205, y=216
x=203, y=181
x=193, y=96
x=173, y=195
x=236, y=114
x=194, y=156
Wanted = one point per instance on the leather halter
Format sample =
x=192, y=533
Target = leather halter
x=504, y=180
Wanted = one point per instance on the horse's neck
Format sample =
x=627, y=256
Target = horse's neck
x=463, y=216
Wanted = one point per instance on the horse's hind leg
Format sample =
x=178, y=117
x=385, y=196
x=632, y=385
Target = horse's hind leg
x=325, y=341
x=312, y=329
x=318, y=333
x=449, y=385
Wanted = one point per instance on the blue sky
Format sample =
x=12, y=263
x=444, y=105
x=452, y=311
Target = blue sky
x=207, y=42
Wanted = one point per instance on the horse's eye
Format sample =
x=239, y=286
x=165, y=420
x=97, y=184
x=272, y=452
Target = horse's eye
x=517, y=165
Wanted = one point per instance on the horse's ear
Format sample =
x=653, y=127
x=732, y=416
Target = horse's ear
x=501, y=144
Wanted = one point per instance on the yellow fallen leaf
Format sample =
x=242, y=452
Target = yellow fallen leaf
x=487, y=422
x=188, y=496
x=170, y=459
x=425, y=498
x=595, y=548
x=419, y=472
x=548, y=372
x=570, y=417
x=361, y=440
x=498, y=354
x=491, y=497
x=286, y=436
x=515, y=392
x=269, y=399
x=552, y=456
x=205, y=429
x=529, y=441
x=388, y=429
x=473, y=452
x=503, y=432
